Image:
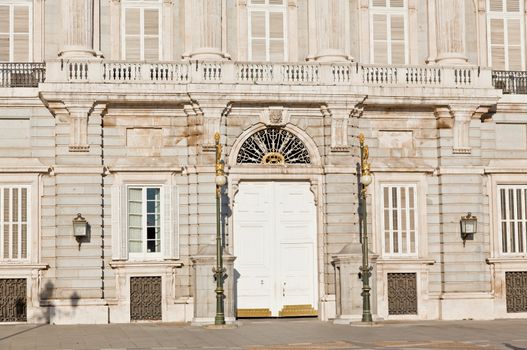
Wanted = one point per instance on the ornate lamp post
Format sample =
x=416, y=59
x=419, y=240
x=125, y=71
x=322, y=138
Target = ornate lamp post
x=219, y=271
x=364, y=179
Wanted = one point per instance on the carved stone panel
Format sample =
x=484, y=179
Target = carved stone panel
x=516, y=291
x=402, y=294
x=13, y=300
x=145, y=298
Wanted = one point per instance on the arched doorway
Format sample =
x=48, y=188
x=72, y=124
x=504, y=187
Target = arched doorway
x=275, y=228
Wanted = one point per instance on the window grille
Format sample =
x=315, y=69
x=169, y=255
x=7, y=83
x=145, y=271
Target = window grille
x=273, y=146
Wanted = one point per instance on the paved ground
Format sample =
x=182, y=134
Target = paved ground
x=282, y=334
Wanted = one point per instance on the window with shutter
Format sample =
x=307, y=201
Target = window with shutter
x=399, y=219
x=512, y=218
x=267, y=30
x=14, y=222
x=388, y=30
x=15, y=31
x=506, y=35
x=141, y=38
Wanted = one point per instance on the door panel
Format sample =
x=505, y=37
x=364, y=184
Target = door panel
x=274, y=242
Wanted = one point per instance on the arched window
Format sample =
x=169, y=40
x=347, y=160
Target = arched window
x=273, y=146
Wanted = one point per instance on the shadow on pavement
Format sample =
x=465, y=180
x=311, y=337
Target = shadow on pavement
x=510, y=346
x=20, y=332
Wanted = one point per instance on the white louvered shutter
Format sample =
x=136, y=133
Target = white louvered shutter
x=132, y=33
x=4, y=32
x=21, y=33
x=268, y=33
x=505, y=34
x=258, y=36
x=497, y=43
x=388, y=31
x=276, y=36
x=141, y=33
x=514, y=46
x=380, y=38
x=15, y=32
x=398, y=50
x=151, y=34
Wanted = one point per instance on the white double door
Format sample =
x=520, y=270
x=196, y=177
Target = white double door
x=275, y=245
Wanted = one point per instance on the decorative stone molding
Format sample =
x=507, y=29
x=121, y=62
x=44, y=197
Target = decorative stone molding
x=339, y=126
x=275, y=116
x=462, y=116
x=77, y=115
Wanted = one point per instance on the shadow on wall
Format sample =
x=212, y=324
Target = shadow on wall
x=51, y=313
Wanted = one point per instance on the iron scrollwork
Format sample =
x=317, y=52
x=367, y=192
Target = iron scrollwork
x=402, y=294
x=145, y=298
x=516, y=291
x=273, y=146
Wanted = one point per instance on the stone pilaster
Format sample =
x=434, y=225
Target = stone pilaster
x=450, y=33
x=330, y=26
x=204, y=39
x=78, y=26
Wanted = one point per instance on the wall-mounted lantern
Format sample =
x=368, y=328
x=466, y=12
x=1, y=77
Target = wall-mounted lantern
x=80, y=226
x=469, y=225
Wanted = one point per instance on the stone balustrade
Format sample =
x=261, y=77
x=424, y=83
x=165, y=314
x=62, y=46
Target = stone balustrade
x=21, y=74
x=511, y=82
x=227, y=72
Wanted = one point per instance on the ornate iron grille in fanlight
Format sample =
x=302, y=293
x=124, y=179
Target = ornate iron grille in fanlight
x=273, y=146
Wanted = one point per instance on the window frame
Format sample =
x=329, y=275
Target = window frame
x=267, y=8
x=28, y=223
x=142, y=5
x=389, y=12
x=398, y=187
x=419, y=180
x=506, y=16
x=498, y=219
x=11, y=4
x=144, y=254
x=166, y=180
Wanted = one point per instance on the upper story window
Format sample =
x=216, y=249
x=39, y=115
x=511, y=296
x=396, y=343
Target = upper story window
x=14, y=222
x=15, y=31
x=388, y=31
x=512, y=218
x=399, y=226
x=506, y=34
x=141, y=30
x=267, y=30
x=144, y=221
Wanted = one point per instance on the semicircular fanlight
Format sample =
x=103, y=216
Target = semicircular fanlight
x=273, y=146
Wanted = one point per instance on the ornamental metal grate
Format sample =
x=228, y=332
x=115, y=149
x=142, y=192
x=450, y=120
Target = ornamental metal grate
x=273, y=146
x=13, y=300
x=145, y=298
x=516, y=291
x=402, y=294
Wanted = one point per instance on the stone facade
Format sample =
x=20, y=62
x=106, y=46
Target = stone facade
x=443, y=129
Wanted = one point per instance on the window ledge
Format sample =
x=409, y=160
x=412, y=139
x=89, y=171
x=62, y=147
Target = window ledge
x=406, y=260
x=508, y=259
x=116, y=264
